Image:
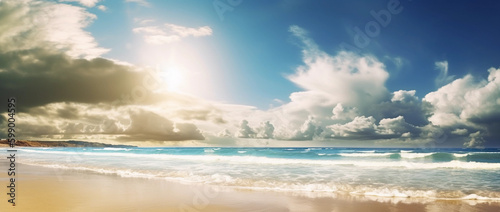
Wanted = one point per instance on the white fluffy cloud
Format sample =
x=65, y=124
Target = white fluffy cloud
x=466, y=100
x=344, y=78
x=26, y=25
x=87, y=3
x=344, y=97
x=404, y=96
x=102, y=8
x=343, y=113
x=144, y=3
x=363, y=127
x=359, y=126
x=468, y=105
x=336, y=89
x=169, y=33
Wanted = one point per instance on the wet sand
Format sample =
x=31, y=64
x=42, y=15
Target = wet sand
x=50, y=189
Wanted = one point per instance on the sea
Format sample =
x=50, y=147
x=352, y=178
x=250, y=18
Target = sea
x=383, y=174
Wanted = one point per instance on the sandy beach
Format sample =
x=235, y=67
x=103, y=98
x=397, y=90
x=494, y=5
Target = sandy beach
x=51, y=189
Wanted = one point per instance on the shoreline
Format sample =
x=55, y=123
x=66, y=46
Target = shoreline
x=53, y=189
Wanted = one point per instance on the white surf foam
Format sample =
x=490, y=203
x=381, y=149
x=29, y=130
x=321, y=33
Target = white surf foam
x=459, y=155
x=365, y=154
x=285, y=161
x=112, y=149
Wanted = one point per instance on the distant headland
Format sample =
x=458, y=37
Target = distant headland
x=24, y=143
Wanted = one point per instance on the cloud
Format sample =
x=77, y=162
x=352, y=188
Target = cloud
x=224, y=133
x=342, y=113
x=142, y=21
x=395, y=127
x=404, y=103
x=459, y=131
x=468, y=103
x=443, y=77
x=361, y=126
x=245, y=130
x=169, y=33
x=307, y=131
x=143, y=3
x=346, y=95
x=102, y=8
x=346, y=78
x=266, y=130
x=94, y=122
x=25, y=26
x=40, y=77
x=476, y=140
x=87, y=3
x=203, y=114
x=146, y=125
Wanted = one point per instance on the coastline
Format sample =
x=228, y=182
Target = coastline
x=52, y=189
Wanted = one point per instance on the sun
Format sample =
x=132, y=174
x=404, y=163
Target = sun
x=173, y=79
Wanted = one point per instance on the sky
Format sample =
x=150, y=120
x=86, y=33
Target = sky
x=382, y=73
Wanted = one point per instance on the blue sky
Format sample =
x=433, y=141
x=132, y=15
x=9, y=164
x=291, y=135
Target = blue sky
x=255, y=73
x=256, y=50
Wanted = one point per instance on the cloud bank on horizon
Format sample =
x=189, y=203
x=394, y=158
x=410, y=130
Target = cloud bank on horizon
x=67, y=89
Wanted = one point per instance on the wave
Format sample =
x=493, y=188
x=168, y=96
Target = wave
x=319, y=189
x=112, y=149
x=415, y=155
x=491, y=157
x=408, y=155
x=365, y=154
x=454, y=164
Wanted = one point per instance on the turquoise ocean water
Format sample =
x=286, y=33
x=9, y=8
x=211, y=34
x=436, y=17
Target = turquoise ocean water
x=415, y=174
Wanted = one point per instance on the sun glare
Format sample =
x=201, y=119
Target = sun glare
x=174, y=79
x=188, y=70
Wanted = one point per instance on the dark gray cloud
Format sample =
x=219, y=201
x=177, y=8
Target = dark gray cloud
x=54, y=77
x=245, y=130
x=3, y=122
x=146, y=125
